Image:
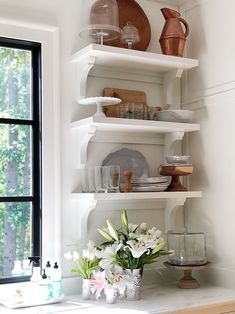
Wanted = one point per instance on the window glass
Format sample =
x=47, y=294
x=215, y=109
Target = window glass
x=15, y=160
x=15, y=83
x=20, y=157
x=15, y=238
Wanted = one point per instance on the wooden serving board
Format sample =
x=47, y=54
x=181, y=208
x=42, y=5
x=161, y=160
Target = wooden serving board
x=127, y=96
x=131, y=11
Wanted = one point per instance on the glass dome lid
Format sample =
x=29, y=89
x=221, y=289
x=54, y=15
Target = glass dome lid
x=101, y=20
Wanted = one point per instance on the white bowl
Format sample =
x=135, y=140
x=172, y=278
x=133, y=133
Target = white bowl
x=177, y=159
x=175, y=115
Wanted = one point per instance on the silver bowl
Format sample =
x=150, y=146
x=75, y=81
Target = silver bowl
x=177, y=159
x=185, y=116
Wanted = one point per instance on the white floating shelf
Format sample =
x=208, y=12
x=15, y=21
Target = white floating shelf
x=134, y=125
x=131, y=127
x=127, y=60
x=135, y=196
x=170, y=200
x=132, y=59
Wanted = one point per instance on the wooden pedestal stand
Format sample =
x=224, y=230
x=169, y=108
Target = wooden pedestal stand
x=175, y=172
x=187, y=281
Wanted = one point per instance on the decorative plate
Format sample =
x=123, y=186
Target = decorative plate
x=128, y=159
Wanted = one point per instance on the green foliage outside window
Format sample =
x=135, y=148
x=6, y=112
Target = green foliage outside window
x=15, y=157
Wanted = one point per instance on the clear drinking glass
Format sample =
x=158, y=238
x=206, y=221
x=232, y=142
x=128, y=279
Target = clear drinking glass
x=91, y=179
x=84, y=180
x=114, y=179
x=138, y=111
x=101, y=179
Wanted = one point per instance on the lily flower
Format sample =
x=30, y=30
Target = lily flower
x=137, y=248
x=108, y=256
x=98, y=283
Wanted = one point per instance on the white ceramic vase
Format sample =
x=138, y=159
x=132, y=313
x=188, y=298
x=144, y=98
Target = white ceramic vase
x=111, y=294
x=86, y=289
x=133, y=284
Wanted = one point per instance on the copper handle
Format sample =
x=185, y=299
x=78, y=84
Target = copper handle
x=185, y=25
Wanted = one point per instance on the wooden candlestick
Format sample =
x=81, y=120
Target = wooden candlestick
x=127, y=174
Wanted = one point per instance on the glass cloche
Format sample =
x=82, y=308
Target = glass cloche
x=130, y=35
x=189, y=248
x=100, y=20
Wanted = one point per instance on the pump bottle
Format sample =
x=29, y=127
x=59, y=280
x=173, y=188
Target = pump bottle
x=56, y=282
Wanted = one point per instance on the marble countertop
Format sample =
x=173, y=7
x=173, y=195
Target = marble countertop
x=155, y=300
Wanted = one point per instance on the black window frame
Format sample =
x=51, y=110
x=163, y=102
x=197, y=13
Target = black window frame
x=36, y=123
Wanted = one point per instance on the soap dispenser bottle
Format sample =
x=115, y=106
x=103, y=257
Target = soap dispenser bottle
x=36, y=277
x=56, y=282
x=44, y=286
x=36, y=268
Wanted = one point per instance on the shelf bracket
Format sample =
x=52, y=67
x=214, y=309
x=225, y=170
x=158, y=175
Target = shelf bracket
x=84, y=211
x=170, y=210
x=83, y=71
x=170, y=140
x=90, y=132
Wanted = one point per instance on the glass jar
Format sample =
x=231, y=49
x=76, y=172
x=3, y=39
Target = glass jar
x=189, y=248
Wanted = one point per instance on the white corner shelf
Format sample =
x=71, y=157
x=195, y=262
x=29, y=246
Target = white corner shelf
x=170, y=200
x=133, y=128
x=127, y=59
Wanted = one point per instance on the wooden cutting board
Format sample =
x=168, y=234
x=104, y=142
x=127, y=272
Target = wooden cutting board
x=127, y=97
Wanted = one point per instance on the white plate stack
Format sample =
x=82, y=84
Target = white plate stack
x=150, y=184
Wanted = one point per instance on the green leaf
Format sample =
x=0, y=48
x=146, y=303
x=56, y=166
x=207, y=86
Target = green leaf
x=105, y=234
x=112, y=231
x=158, y=247
x=125, y=221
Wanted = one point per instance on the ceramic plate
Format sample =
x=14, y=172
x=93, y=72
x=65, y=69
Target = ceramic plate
x=128, y=159
x=150, y=188
x=150, y=180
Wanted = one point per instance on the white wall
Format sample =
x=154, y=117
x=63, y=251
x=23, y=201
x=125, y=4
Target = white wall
x=210, y=91
x=67, y=16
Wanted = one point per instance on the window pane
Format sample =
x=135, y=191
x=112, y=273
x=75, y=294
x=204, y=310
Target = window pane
x=15, y=160
x=15, y=81
x=15, y=239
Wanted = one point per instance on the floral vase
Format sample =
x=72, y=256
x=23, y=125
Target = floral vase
x=133, y=284
x=86, y=289
x=111, y=294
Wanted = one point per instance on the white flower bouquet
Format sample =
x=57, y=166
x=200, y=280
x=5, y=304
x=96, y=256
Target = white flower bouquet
x=111, y=265
x=131, y=246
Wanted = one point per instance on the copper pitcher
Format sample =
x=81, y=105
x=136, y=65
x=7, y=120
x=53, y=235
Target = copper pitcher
x=173, y=37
